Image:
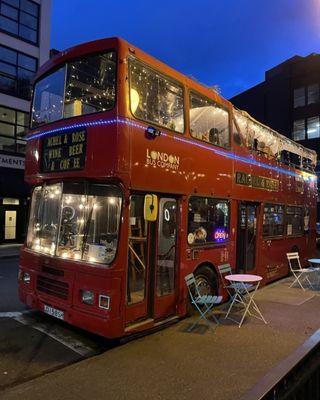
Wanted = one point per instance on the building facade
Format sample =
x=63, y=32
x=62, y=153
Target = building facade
x=289, y=101
x=24, y=46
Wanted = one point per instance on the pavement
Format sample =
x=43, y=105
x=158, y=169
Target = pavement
x=177, y=364
x=10, y=250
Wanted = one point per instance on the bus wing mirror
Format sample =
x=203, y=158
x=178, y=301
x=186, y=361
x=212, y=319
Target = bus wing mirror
x=150, y=207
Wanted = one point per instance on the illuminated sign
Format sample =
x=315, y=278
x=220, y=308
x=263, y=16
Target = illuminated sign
x=258, y=182
x=65, y=151
x=11, y=162
x=220, y=235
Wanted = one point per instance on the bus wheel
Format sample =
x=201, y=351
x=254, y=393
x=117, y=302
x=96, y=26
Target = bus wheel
x=206, y=281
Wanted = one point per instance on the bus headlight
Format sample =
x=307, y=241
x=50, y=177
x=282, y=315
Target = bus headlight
x=26, y=278
x=87, y=297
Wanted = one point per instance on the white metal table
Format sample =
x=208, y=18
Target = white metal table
x=244, y=296
x=315, y=265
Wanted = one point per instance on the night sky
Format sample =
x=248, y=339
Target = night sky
x=229, y=43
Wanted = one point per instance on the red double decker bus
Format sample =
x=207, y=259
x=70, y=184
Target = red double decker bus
x=140, y=176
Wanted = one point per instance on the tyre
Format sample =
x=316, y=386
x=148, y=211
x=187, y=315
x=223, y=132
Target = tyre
x=206, y=281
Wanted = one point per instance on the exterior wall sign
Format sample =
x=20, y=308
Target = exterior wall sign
x=162, y=160
x=258, y=182
x=11, y=161
x=64, y=152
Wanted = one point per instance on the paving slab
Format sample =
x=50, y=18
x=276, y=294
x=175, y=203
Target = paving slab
x=176, y=364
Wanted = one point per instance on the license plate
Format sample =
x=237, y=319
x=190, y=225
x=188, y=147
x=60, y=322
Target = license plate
x=53, y=311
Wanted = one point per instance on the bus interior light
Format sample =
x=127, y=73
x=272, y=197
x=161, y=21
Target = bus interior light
x=87, y=297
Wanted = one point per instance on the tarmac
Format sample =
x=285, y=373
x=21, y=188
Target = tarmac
x=177, y=364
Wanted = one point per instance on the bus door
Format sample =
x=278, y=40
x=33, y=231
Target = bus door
x=247, y=237
x=152, y=250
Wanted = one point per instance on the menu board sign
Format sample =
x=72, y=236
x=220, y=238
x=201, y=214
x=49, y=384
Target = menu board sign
x=65, y=151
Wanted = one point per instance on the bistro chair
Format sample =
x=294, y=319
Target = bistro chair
x=203, y=303
x=300, y=274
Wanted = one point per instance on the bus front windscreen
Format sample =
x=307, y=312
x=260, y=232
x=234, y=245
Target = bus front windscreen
x=83, y=86
x=77, y=221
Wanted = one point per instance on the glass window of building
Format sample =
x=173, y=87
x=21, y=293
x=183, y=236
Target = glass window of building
x=20, y=18
x=313, y=128
x=313, y=93
x=299, y=97
x=208, y=121
x=13, y=125
x=155, y=98
x=208, y=220
x=299, y=130
x=17, y=71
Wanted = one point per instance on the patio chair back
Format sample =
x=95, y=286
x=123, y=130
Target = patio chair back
x=192, y=286
x=294, y=261
x=224, y=269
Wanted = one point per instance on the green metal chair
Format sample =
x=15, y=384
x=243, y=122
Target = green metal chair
x=203, y=303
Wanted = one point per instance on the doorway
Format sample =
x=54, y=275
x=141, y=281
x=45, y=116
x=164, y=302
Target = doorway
x=247, y=236
x=152, y=261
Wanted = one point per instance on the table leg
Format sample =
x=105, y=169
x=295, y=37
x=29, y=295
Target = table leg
x=253, y=303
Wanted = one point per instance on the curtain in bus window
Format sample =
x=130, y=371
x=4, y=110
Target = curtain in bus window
x=273, y=220
x=155, y=98
x=208, y=220
x=208, y=121
x=295, y=221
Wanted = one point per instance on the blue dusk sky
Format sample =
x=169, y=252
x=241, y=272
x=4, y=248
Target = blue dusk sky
x=229, y=43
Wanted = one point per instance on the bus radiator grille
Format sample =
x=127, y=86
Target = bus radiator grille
x=53, y=287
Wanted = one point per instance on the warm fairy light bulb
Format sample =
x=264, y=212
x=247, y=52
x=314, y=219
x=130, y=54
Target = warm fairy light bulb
x=92, y=259
x=134, y=100
x=64, y=255
x=81, y=206
x=77, y=256
x=112, y=200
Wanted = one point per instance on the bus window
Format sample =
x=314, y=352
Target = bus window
x=295, y=221
x=208, y=121
x=154, y=98
x=85, y=86
x=208, y=220
x=73, y=222
x=273, y=220
x=137, y=252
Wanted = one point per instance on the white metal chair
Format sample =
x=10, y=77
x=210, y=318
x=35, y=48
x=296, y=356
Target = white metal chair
x=300, y=274
x=198, y=300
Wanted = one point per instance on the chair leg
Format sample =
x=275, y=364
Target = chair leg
x=297, y=280
x=203, y=316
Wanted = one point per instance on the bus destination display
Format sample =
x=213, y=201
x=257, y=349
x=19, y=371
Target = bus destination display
x=64, y=152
